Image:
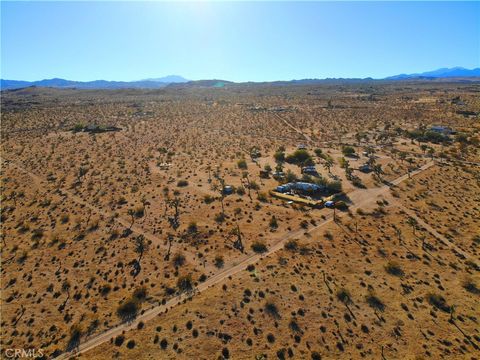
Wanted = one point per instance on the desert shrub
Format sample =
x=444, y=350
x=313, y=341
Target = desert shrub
x=240, y=190
x=139, y=212
x=279, y=156
x=163, y=343
x=471, y=286
x=304, y=224
x=219, y=262
x=348, y=151
x=272, y=309
x=75, y=335
x=185, y=283
x=438, y=301
x=291, y=245
x=270, y=338
x=290, y=176
x=105, y=290
x=192, y=227
x=334, y=186
x=225, y=353
x=242, y=164
x=394, y=269
x=341, y=205
x=302, y=157
x=219, y=218
x=140, y=293
x=128, y=310
x=78, y=127
x=182, y=183
x=273, y=222
x=293, y=325
x=259, y=246
x=344, y=296
x=23, y=257
x=471, y=264
x=375, y=302
x=262, y=197
x=178, y=259
x=208, y=199
x=328, y=235
x=131, y=344
x=316, y=356
x=37, y=233
x=119, y=340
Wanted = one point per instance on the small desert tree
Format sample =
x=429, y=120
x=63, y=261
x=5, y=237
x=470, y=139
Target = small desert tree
x=174, y=222
x=328, y=164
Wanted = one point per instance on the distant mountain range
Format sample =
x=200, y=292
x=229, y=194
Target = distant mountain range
x=97, y=84
x=155, y=83
x=440, y=73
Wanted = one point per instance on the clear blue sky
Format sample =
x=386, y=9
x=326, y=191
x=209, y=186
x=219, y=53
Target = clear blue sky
x=235, y=41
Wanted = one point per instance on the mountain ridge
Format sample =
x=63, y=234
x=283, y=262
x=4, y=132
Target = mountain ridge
x=177, y=80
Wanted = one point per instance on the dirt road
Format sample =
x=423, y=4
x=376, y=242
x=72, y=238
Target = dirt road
x=286, y=122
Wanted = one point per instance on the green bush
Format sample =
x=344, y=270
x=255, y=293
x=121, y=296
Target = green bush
x=348, y=151
x=259, y=247
x=185, y=283
x=242, y=164
x=208, y=199
x=128, y=310
x=300, y=157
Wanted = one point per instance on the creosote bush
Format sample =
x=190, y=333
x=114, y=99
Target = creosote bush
x=179, y=259
x=272, y=309
x=375, y=302
x=394, y=269
x=185, y=283
x=259, y=247
x=438, y=301
x=344, y=296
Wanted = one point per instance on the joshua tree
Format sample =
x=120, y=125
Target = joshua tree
x=377, y=169
x=209, y=170
x=431, y=151
x=413, y=223
x=131, y=212
x=424, y=148
x=245, y=177
x=398, y=232
x=344, y=296
x=237, y=243
x=328, y=164
x=81, y=172
x=221, y=189
x=348, y=170
x=140, y=247
x=174, y=222
x=65, y=289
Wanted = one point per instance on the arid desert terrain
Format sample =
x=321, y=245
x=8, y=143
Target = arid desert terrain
x=148, y=224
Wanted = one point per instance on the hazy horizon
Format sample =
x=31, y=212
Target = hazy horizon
x=240, y=42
